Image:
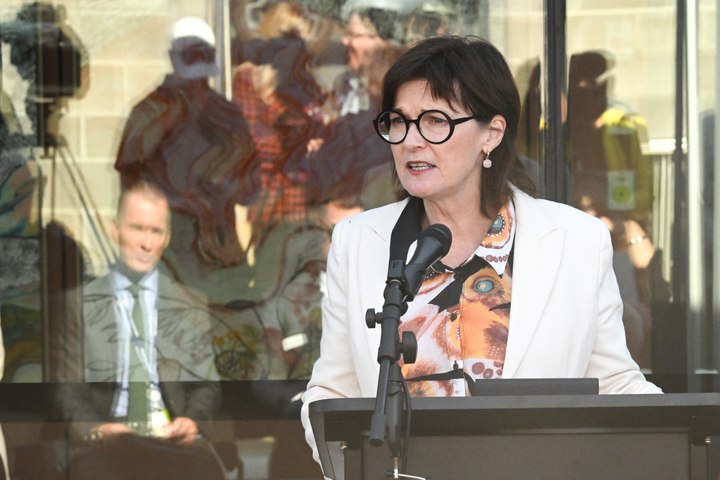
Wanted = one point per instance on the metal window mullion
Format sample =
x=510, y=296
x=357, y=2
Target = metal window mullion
x=556, y=183
x=695, y=281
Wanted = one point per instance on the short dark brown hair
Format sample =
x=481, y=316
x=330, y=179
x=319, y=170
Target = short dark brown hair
x=471, y=73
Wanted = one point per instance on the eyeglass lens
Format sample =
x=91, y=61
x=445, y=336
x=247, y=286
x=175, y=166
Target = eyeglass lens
x=434, y=126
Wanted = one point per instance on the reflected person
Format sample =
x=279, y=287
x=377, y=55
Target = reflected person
x=196, y=146
x=142, y=328
x=281, y=100
x=369, y=34
x=527, y=289
x=351, y=162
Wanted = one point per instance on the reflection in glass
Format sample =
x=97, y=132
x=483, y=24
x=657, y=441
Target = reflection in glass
x=613, y=116
x=256, y=178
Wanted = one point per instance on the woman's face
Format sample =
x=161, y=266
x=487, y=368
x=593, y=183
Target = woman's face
x=446, y=171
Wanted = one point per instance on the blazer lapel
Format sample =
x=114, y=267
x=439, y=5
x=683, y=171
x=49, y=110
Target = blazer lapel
x=101, y=329
x=163, y=341
x=538, y=251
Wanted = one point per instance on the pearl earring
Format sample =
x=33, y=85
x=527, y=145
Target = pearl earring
x=487, y=163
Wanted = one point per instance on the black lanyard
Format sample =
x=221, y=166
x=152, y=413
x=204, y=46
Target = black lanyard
x=406, y=230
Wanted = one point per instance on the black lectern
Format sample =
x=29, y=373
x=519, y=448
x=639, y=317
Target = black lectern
x=673, y=437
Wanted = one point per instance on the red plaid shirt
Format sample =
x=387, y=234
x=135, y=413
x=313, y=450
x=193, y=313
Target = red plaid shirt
x=281, y=197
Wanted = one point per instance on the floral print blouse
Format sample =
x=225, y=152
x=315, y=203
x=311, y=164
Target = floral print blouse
x=461, y=316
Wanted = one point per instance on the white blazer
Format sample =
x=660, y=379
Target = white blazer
x=565, y=316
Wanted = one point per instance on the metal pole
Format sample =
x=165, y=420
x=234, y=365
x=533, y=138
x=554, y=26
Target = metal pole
x=556, y=182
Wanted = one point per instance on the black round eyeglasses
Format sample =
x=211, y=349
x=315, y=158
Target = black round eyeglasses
x=435, y=126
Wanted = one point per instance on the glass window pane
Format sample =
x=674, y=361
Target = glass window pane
x=620, y=130
x=704, y=147
x=254, y=121
x=250, y=126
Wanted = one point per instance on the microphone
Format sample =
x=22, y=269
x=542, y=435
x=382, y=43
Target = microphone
x=432, y=245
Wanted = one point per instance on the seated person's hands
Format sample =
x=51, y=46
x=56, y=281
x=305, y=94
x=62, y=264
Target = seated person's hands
x=109, y=430
x=181, y=430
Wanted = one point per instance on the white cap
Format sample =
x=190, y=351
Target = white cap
x=193, y=27
x=186, y=32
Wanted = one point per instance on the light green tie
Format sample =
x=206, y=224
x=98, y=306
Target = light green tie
x=139, y=378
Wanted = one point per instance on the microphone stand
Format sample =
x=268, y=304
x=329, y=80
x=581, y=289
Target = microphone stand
x=388, y=416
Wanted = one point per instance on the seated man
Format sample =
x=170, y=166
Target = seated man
x=141, y=330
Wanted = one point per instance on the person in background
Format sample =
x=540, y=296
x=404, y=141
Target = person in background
x=351, y=163
x=527, y=288
x=369, y=34
x=196, y=145
x=633, y=254
x=141, y=328
x=281, y=101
